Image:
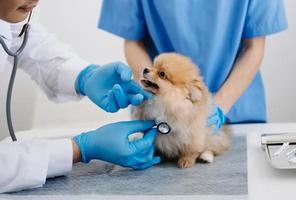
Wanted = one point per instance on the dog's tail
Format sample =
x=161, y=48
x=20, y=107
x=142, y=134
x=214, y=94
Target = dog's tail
x=220, y=142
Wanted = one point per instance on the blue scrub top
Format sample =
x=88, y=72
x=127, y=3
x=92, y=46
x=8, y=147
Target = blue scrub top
x=208, y=31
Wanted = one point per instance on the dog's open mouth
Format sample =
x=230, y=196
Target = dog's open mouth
x=149, y=85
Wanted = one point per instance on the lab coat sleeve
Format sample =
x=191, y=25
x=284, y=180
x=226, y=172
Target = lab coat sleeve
x=49, y=62
x=27, y=164
x=264, y=17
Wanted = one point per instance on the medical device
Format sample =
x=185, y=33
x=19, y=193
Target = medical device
x=15, y=55
x=280, y=149
x=163, y=128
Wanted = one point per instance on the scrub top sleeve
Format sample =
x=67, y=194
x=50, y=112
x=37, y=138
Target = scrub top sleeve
x=123, y=18
x=264, y=17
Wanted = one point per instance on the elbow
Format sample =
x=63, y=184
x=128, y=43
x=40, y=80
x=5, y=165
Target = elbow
x=255, y=47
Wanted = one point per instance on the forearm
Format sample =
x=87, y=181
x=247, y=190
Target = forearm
x=244, y=71
x=137, y=57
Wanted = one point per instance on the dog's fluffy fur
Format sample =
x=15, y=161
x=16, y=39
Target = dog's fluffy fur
x=183, y=101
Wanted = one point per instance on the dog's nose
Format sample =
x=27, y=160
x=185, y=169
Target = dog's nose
x=146, y=71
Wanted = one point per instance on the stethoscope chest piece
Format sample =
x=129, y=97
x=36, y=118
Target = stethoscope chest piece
x=163, y=128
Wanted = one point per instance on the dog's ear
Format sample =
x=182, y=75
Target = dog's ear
x=195, y=91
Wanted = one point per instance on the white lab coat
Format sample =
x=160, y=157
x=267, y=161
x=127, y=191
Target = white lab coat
x=54, y=68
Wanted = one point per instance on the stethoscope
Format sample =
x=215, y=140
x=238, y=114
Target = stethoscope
x=15, y=55
x=163, y=128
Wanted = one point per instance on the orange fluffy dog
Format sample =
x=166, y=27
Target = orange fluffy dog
x=183, y=101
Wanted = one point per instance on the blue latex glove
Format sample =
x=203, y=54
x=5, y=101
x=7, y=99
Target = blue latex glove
x=110, y=143
x=110, y=86
x=216, y=118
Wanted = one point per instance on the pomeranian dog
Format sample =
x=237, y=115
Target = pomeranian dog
x=184, y=102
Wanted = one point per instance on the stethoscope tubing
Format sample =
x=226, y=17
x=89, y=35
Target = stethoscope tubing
x=15, y=56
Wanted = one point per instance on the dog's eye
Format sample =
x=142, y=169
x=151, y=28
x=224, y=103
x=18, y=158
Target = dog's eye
x=162, y=75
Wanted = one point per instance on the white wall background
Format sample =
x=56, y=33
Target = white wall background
x=279, y=70
x=74, y=22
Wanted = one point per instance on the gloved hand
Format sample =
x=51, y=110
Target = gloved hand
x=110, y=143
x=110, y=86
x=216, y=118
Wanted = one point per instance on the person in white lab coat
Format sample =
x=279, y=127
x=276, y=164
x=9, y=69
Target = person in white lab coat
x=64, y=76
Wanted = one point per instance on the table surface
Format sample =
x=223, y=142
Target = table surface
x=264, y=182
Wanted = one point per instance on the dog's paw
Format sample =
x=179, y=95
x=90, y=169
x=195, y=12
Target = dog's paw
x=207, y=156
x=186, y=162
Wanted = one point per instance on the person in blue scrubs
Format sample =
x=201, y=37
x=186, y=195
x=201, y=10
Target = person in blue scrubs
x=225, y=38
